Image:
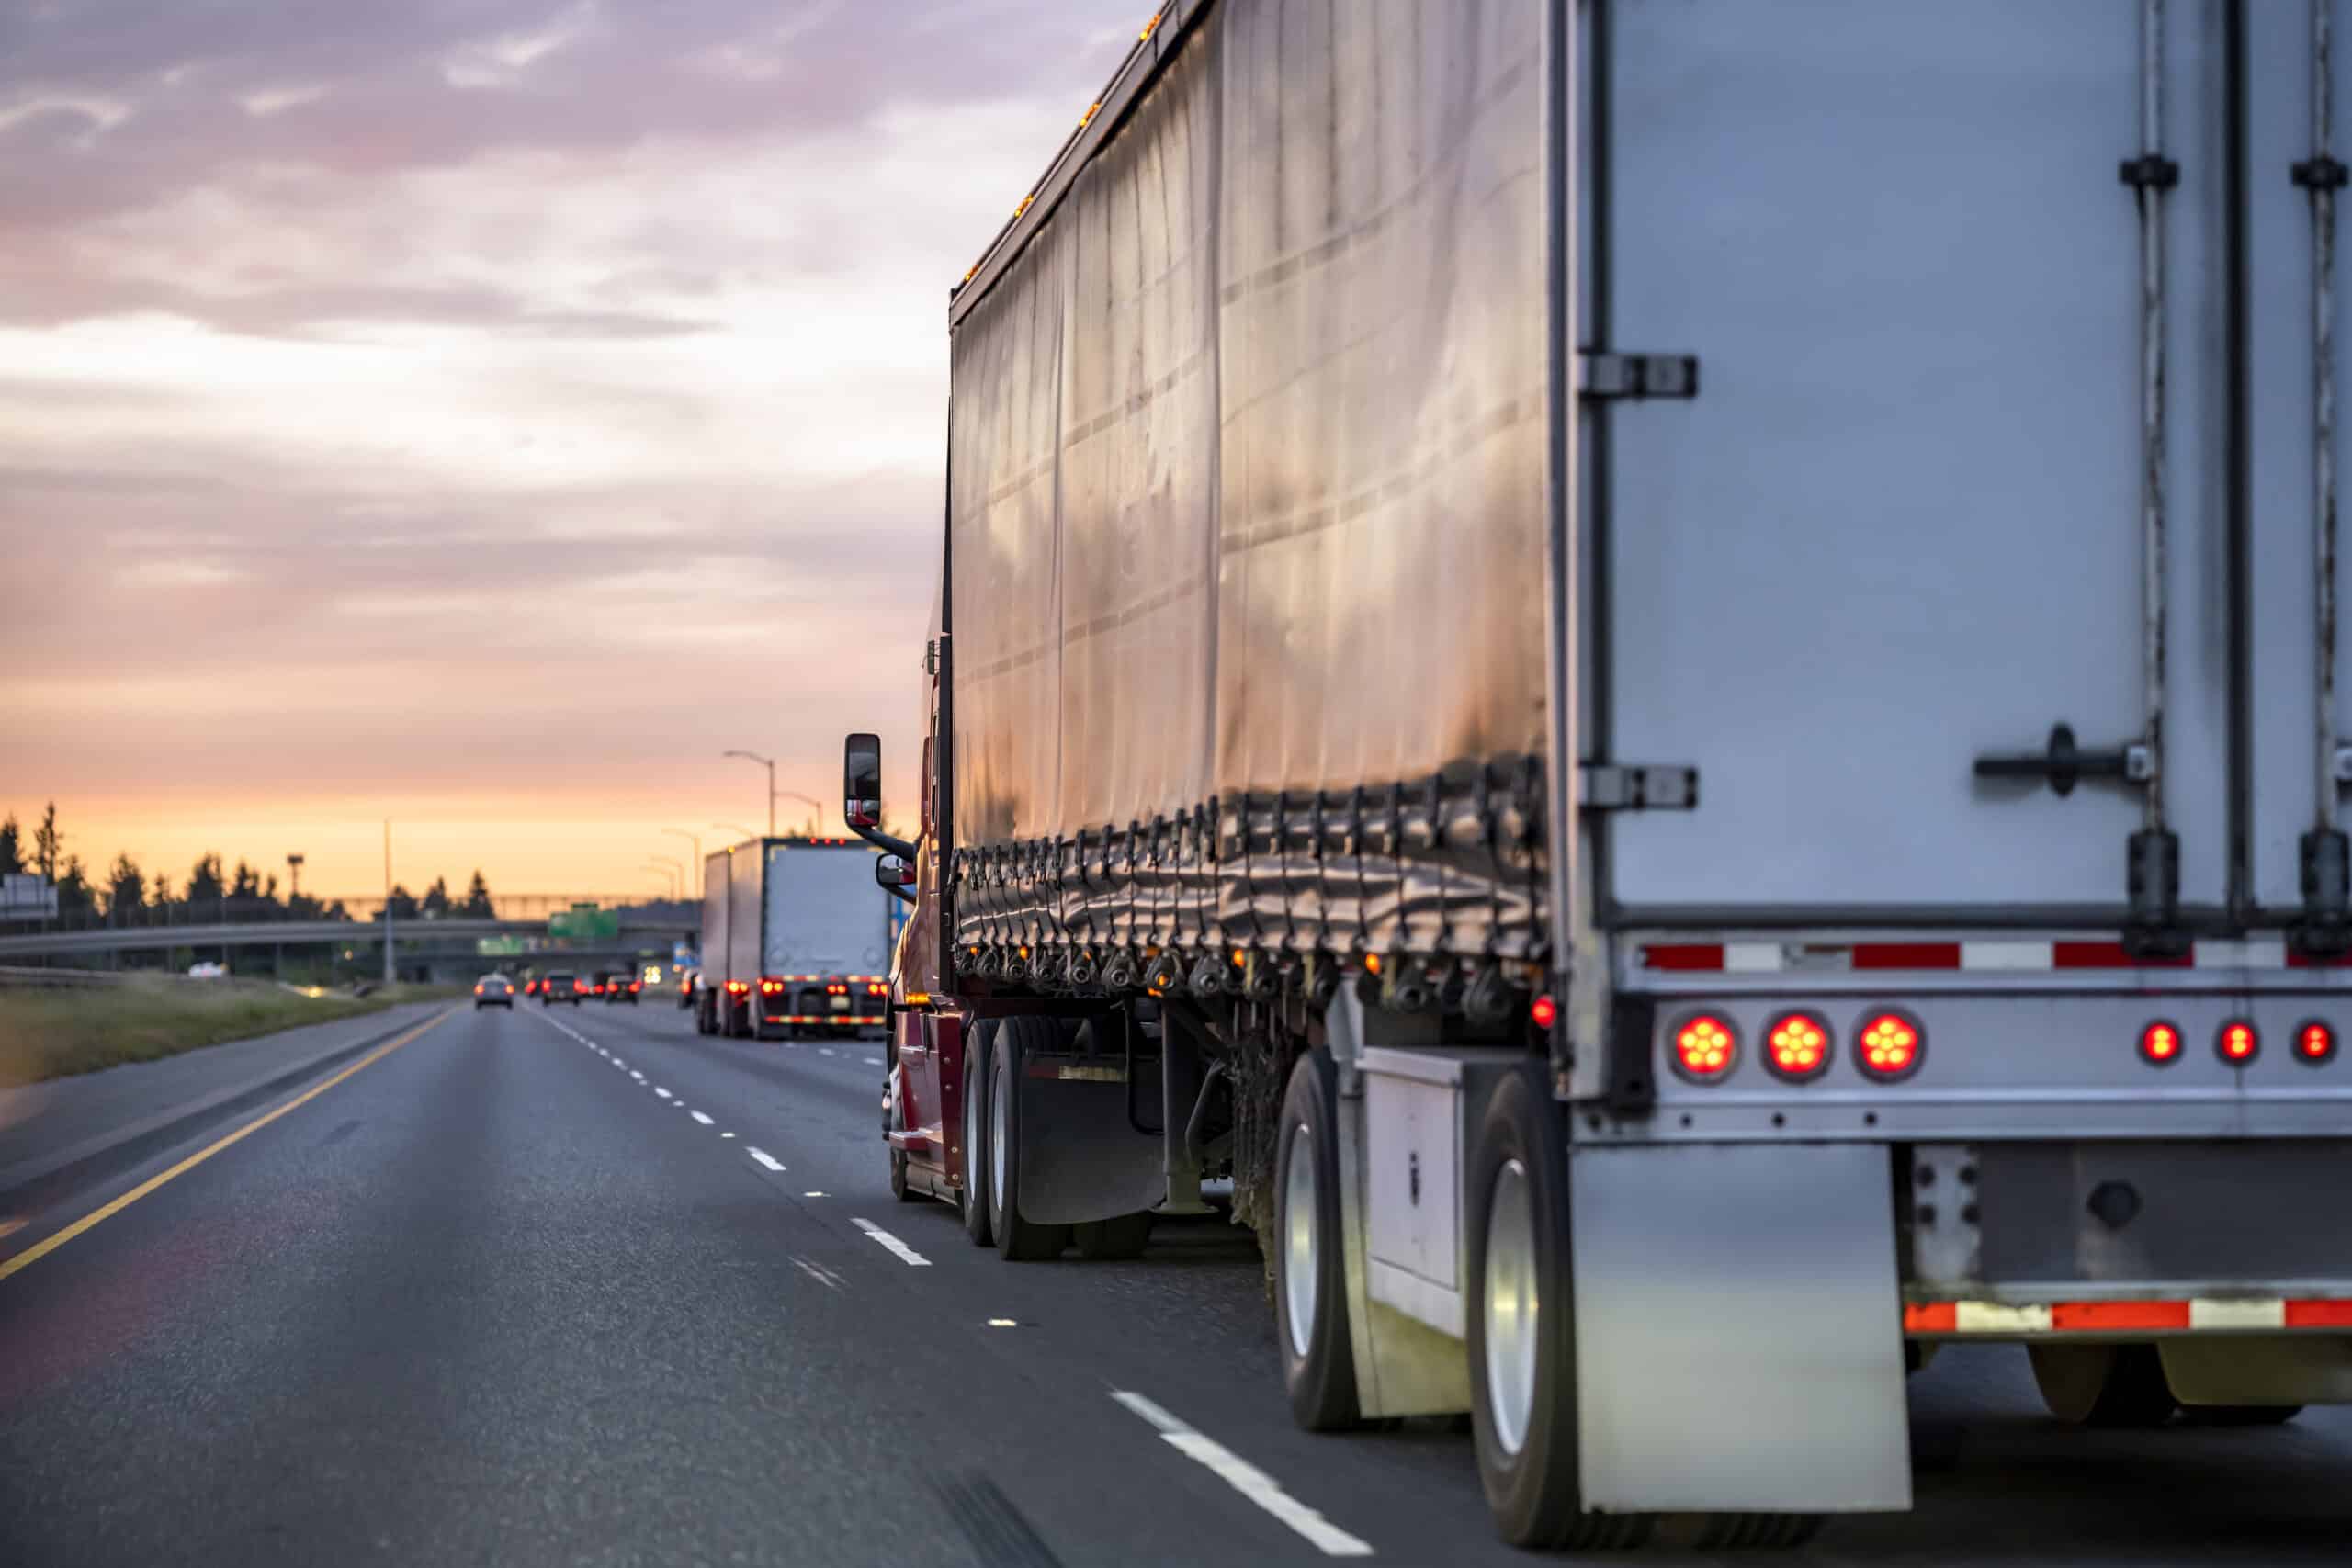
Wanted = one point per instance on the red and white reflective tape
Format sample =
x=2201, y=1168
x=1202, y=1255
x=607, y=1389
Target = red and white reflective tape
x=2218, y=1313
x=1989, y=956
x=824, y=1018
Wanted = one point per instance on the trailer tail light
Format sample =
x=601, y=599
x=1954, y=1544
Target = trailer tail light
x=771, y=988
x=1705, y=1047
x=1890, y=1045
x=876, y=989
x=2160, y=1044
x=2314, y=1043
x=1544, y=1011
x=2237, y=1042
x=1798, y=1046
x=739, y=988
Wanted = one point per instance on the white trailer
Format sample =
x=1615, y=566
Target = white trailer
x=808, y=936
x=1692, y=647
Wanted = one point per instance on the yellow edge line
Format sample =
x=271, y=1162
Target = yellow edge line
x=35, y=1253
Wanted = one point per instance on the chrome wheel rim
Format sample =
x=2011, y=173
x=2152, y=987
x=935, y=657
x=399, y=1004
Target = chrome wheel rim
x=1513, y=1303
x=1300, y=1244
x=999, y=1113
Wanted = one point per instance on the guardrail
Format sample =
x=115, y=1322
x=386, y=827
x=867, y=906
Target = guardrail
x=64, y=980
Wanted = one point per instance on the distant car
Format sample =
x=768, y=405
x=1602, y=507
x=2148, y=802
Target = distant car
x=531, y=986
x=623, y=988
x=207, y=971
x=562, y=987
x=495, y=991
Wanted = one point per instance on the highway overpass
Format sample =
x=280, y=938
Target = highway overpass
x=438, y=934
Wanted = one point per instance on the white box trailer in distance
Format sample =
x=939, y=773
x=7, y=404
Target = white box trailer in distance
x=804, y=936
x=1672, y=669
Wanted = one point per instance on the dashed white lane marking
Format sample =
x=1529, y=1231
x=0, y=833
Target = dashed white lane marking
x=820, y=1273
x=764, y=1157
x=1246, y=1479
x=892, y=1244
x=663, y=1092
x=873, y=1061
x=637, y=1075
x=726, y=1134
x=824, y=1050
x=700, y=1117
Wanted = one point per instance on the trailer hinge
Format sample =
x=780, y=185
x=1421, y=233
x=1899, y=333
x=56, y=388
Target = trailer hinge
x=1614, y=786
x=1638, y=375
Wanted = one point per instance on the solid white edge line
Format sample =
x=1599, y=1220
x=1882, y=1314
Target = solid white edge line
x=1246, y=1479
x=764, y=1157
x=892, y=1244
x=701, y=1118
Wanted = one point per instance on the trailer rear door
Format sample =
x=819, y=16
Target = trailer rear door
x=1900, y=524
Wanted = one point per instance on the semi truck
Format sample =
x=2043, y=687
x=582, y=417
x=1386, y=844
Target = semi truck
x=796, y=937
x=1670, y=673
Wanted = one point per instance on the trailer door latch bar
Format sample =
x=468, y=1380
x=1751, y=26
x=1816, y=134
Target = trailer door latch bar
x=2063, y=763
x=1611, y=786
x=1638, y=375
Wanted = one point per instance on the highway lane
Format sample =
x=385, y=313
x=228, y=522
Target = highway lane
x=500, y=1297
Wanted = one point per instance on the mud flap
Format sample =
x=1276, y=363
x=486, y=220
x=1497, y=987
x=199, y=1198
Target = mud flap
x=1081, y=1159
x=1739, y=1341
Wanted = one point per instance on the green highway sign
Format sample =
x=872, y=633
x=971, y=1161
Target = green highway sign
x=585, y=922
x=498, y=946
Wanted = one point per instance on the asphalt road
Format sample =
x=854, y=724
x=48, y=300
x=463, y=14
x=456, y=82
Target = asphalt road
x=586, y=1288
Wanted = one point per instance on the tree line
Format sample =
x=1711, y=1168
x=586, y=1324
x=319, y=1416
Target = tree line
x=125, y=894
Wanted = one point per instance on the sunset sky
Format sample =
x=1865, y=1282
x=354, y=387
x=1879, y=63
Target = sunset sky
x=483, y=413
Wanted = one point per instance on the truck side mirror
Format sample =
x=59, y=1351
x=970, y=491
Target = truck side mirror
x=862, y=779
x=893, y=871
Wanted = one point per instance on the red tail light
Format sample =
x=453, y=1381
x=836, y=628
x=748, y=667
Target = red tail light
x=2238, y=1043
x=1797, y=1048
x=875, y=990
x=1704, y=1048
x=2160, y=1044
x=2314, y=1041
x=771, y=988
x=738, y=987
x=1890, y=1045
x=1543, y=1012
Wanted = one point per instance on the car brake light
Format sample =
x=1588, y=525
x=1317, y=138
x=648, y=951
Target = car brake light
x=1544, y=1011
x=2238, y=1042
x=1705, y=1047
x=2314, y=1041
x=2159, y=1043
x=1797, y=1048
x=1890, y=1045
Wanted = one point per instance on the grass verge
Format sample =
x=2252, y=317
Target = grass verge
x=53, y=1034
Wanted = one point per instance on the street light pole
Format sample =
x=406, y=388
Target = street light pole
x=387, y=902
x=667, y=869
x=695, y=839
x=681, y=870
x=769, y=763
x=815, y=804
x=736, y=828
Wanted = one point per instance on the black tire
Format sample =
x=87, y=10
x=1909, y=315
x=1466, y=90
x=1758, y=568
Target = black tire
x=1017, y=1240
x=1113, y=1241
x=1318, y=1355
x=898, y=1187
x=977, y=1047
x=2103, y=1385
x=1527, y=1459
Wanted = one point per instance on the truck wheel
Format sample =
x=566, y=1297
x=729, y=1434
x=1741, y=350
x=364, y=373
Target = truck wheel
x=2103, y=1385
x=1310, y=1257
x=1017, y=1239
x=1522, y=1369
x=975, y=1132
x=1113, y=1241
